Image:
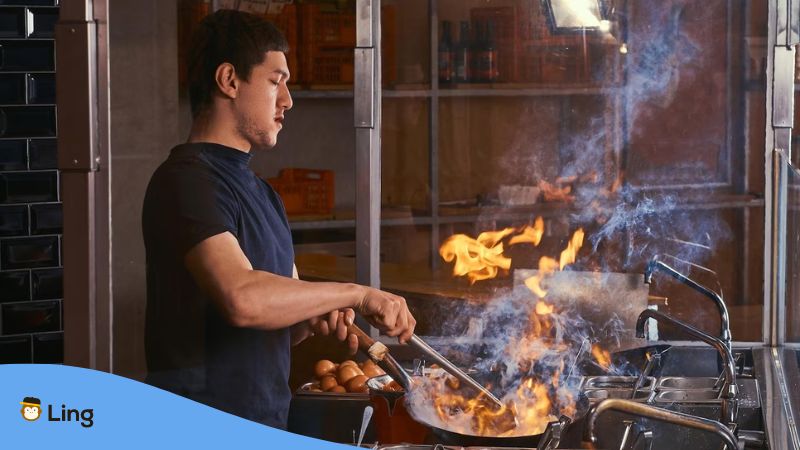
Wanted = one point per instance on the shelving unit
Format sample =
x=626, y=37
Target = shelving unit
x=568, y=108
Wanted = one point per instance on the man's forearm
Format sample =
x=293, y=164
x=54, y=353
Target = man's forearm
x=268, y=301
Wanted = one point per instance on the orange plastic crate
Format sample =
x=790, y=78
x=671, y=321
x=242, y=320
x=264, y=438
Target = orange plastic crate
x=324, y=26
x=305, y=191
x=286, y=21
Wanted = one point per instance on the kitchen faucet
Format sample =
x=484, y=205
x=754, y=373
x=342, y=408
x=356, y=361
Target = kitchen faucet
x=656, y=264
x=728, y=390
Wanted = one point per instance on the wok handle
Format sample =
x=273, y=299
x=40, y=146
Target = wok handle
x=379, y=353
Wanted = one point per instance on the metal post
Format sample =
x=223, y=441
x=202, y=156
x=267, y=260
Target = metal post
x=782, y=38
x=82, y=79
x=367, y=93
x=433, y=136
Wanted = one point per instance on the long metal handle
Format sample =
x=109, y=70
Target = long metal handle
x=663, y=415
x=429, y=351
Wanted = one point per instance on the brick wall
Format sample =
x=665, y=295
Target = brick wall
x=31, y=328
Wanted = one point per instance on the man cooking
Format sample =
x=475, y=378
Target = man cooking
x=223, y=300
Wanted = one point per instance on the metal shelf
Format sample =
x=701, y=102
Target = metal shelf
x=311, y=93
x=494, y=91
x=513, y=214
x=526, y=92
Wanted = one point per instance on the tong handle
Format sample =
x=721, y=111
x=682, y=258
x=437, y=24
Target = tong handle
x=379, y=353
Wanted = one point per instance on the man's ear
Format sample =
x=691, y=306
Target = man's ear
x=227, y=81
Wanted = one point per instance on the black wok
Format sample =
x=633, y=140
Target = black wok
x=438, y=435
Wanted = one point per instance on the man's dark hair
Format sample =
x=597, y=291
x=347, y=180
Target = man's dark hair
x=235, y=37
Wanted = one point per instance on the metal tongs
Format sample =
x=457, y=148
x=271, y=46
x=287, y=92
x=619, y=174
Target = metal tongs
x=379, y=353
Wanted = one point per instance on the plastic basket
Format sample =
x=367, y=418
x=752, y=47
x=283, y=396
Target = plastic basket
x=305, y=191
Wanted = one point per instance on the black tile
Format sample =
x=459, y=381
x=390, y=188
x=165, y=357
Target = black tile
x=44, y=22
x=41, y=88
x=28, y=253
x=15, y=286
x=27, y=55
x=21, y=187
x=46, y=219
x=48, y=348
x=31, y=317
x=48, y=284
x=30, y=2
x=14, y=220
x=28, y=121
x=12, y=89
x=43, y=154
x=12, y=22
x=15, y=350
x=13, y=155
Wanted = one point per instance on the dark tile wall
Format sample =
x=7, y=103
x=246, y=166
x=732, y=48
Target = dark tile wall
x=31, y=274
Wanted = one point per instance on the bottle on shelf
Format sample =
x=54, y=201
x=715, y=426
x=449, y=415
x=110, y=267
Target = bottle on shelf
x=463, y=55
x=446, y=55
x=475, y=50
x=486, y=69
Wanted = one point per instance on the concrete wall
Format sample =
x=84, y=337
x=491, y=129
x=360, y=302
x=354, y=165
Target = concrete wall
x=145, y=118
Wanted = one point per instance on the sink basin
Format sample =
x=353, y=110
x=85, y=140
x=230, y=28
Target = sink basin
x=595, y=395
x=696, y=396
x=617, y=382
x=684, y=383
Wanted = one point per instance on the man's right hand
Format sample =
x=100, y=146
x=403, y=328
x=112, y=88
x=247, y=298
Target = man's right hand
x=388, y=313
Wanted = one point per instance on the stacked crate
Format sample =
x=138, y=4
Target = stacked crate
x=285, y=19
x=327, y=43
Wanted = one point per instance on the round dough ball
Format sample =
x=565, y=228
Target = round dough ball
x=346, y=373
x=323, y=367
x=357, y=384
x=327, y=382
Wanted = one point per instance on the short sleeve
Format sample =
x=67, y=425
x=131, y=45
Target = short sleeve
x=191, y=203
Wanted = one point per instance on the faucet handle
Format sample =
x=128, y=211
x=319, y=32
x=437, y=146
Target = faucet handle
x=636, y=437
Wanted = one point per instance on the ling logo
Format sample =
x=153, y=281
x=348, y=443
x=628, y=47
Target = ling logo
x=31, y=408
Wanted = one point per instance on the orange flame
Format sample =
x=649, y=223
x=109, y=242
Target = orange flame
x=601, y=356
x=569, y=253
x=532, y=234
x=534, y=399
x=543, y=308
x=478, y=259
x=553, y=193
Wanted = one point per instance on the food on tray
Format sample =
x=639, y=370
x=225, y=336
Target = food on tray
x=347, y=376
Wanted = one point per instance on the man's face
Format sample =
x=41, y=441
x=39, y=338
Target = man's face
x=262, y=102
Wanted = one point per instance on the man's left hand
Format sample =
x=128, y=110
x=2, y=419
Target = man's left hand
x=334, y=323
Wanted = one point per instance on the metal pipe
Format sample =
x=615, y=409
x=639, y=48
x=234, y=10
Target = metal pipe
x=663, y=415
x=725, y=323
x=729, y=389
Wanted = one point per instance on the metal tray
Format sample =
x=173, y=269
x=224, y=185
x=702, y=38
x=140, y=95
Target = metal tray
x=595, y=395
x=304, y=391
x=686, y=383
x=617, y=382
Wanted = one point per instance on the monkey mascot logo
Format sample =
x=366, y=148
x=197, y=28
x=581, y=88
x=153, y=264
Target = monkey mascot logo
x=31, y=408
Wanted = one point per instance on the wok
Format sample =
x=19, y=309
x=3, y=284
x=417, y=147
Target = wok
x=397, y=427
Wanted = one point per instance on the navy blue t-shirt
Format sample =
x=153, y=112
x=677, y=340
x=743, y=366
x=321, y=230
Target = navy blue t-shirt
x=200, y=191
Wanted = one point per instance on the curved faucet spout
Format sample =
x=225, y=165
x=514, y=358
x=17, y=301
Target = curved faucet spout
x=729, y=389
x=663, y=415
x=725, y=323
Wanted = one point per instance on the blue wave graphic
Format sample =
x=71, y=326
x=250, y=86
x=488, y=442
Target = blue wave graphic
x=125, y=414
